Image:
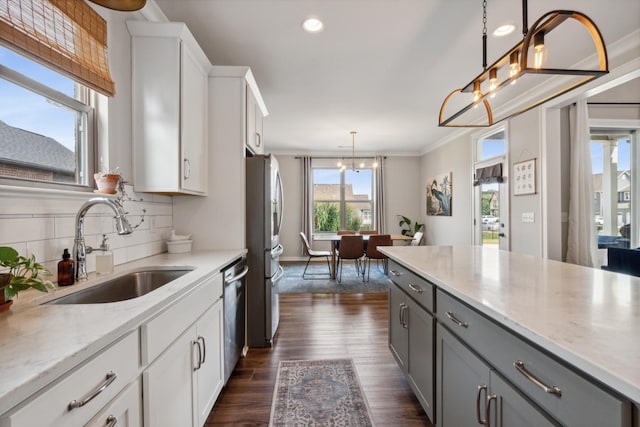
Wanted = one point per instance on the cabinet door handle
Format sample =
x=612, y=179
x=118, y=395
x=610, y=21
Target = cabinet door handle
x=401, y=313
x=197, y=345
x=204, y=348
x=111, y=377
x=111, y=421
x=405, y=322
x=258, y=139
x=481, y=388
x=415, y=288
x=487, y=411
x=519, y=364
x=187, y=169
x=457, y=321
x=395, y=273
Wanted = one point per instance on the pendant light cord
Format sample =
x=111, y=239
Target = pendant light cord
x=484, y=34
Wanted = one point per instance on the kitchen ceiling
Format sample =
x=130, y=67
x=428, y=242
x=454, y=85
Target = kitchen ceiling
x=380, y=67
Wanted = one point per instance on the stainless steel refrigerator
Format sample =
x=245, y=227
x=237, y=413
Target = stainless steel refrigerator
x=264, y=219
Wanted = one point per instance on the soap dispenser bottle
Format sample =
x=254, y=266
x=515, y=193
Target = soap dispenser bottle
x=66, y=269
x=104, y=260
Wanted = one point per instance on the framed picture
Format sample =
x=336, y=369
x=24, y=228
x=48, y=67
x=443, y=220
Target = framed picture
x=439, y=195
x=524, y=178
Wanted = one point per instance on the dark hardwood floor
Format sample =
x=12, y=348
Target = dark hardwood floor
x=316, y=326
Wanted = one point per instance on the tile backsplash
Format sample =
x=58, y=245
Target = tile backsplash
x=42, y=223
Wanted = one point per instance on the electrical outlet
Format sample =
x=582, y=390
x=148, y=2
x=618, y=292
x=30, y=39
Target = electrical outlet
x=528, y=217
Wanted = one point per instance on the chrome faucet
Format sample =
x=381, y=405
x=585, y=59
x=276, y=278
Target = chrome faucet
x=80, y=249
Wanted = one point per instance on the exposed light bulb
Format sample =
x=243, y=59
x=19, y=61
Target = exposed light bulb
x=539, y=51
x=339, y=164
x=514, y=67
x=375, y=164
x=493, y=81
x=361, y=164
x=476, y=93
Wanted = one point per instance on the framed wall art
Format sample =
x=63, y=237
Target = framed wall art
x=524, y=178
x=439, y=195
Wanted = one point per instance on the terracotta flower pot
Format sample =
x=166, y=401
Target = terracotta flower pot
x=106, y=183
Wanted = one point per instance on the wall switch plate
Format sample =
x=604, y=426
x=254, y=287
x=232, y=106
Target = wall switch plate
x=528, y=217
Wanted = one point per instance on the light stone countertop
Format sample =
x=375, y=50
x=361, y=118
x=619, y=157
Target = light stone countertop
x=588, y=317
x=38, y=342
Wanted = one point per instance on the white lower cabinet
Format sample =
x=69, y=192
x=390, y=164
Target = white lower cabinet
x=181, y=385
x=78, y=396
x=123, y=411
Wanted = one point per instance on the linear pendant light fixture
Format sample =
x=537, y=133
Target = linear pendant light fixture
x=525, y=64
x=121, y=5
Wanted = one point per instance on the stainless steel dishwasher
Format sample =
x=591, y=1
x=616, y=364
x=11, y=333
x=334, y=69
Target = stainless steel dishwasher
x=234, y=302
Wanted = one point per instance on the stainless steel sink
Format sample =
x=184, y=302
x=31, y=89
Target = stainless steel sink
x=128, y=286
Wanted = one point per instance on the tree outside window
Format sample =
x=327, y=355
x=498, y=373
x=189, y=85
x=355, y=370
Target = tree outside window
x=342, y=200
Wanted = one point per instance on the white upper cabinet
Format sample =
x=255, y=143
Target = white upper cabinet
x=254, y=123
x=169, y=102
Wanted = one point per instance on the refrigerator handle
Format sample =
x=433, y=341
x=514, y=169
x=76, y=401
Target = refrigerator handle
x=278, y=274
x=277, y=251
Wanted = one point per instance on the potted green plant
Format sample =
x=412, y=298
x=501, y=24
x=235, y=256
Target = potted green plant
x=24, y=273
x=411, y=228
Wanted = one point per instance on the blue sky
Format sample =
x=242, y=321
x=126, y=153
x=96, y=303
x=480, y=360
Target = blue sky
x=361, y=181
x=624, y=156
x=26, y=110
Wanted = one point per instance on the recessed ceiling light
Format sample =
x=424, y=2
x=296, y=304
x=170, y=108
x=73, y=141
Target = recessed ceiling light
x=312, y=25
x=504, y=30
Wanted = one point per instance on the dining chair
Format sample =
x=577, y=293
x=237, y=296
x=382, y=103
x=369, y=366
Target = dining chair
x=369, y=232
x=342, y=233
x=372, y=251
x=351, y=247
x=417, y=238
x=311, y=253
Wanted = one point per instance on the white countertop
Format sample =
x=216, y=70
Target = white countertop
x=38, y=342
x=588, y=317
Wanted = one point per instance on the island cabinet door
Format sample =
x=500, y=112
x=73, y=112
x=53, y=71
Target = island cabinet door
x=421, y=366
x=505, y=407
x=398, y=327
x=462, y=383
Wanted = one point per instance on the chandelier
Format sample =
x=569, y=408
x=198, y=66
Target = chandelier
x=526, y=62
x=361, y=163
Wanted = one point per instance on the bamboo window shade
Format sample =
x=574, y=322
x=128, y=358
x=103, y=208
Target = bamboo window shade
x=66, y=35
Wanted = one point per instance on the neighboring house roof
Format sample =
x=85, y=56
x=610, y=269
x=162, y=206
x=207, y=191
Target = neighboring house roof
x=35, y=150
x=624, y=181
x=332, y=192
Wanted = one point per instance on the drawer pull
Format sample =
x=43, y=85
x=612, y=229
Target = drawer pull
x=395, y=273
x=415, y=288
x=551, y=390
x=111, y=377
x=478, y=417
x=457, y=321
x=111, y=421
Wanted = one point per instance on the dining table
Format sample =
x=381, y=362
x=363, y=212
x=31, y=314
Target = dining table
x=334, y=238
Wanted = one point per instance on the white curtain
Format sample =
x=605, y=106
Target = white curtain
x=379, y=175
x=581, y=243
x=307, y=210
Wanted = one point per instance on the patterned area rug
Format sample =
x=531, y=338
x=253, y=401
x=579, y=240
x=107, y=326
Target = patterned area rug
x=293, y=283
x=318, y=393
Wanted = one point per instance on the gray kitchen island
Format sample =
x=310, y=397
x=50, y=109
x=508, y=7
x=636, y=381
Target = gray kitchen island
x=492, y=337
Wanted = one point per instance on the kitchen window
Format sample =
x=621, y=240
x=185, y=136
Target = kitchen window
x=46, y=125
x=342, y=197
